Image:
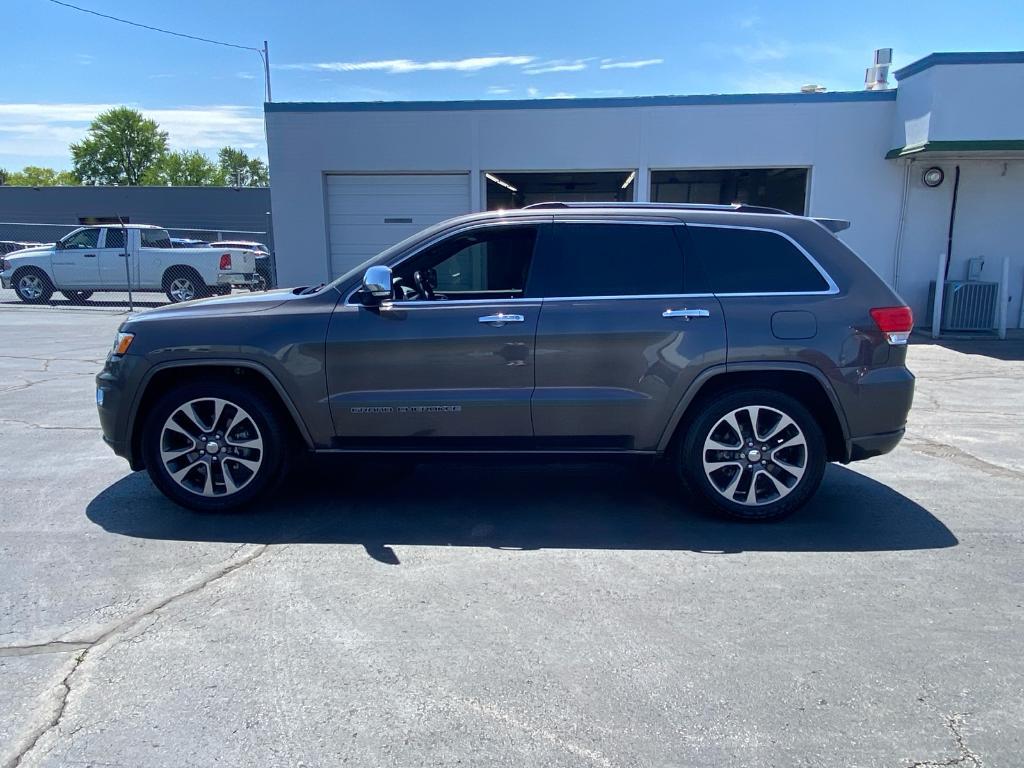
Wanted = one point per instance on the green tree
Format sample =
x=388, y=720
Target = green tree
x=242, y=170
x=120, y=147
x=36, y=176
x=188, y=168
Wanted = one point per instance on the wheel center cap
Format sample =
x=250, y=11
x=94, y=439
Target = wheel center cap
x=213, y=447
x=752, y=455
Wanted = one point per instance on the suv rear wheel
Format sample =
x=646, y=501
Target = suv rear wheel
x=753, y=455
x=214, y=447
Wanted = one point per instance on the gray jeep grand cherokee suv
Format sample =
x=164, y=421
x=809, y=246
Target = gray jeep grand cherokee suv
x=744, y=346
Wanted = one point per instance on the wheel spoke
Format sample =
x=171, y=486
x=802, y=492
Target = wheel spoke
x=751, y=497
x=780, y=486
x=249, y=463
x=730, y=419
x=208, y=482
x=179, y=475
x=783, y=422
x=712, y=466
x=230, y=485
x=795, y=440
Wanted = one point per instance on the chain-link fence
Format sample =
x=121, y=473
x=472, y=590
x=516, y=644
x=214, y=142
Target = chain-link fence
x=126, y=267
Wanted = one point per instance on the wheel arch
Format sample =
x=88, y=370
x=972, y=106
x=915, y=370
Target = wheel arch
x=805, y=382
x=162, y=377
x=176, y=270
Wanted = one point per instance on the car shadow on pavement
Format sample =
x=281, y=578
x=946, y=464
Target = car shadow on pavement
x=510, y=506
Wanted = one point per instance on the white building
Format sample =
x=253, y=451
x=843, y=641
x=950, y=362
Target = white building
x=352, y=178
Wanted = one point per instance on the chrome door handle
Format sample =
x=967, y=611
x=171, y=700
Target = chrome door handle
x=89, y=255
x=500, y=319
x=687, y=313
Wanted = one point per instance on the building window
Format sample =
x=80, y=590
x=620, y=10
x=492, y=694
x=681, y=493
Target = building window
x=784, y=188
x=516, y=190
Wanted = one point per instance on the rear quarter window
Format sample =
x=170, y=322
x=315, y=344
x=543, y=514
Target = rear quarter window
x=753, y=261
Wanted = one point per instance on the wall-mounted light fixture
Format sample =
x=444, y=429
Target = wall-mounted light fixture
x=933, y=176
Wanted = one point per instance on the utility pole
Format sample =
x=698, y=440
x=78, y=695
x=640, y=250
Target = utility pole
x=266, y=69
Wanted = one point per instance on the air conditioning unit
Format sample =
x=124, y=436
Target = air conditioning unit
x=967, y=305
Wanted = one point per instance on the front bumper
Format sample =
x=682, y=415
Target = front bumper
x=116, y=386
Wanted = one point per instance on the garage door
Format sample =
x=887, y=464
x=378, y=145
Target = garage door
x=368, y=213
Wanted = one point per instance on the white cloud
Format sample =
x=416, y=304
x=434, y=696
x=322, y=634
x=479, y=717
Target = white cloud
x=533, y=93
x=556, y=65
x=637, y=64
x=498, y=90
x=32, y=131
x=561, y=95
x=404, y=66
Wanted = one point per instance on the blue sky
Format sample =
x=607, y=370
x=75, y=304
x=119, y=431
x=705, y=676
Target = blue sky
x=61, y=67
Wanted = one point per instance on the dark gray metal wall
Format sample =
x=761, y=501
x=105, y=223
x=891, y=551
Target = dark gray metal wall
x=179, y=208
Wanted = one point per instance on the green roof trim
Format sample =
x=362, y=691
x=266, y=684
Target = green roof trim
x=982, y=145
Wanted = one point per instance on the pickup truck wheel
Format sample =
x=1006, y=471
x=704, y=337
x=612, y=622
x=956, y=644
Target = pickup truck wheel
x=33, y=286
x=184, y=285
x=753, y=455
x=77, y=297
x=214, y=447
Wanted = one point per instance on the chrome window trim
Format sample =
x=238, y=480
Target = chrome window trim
x=539, y=300
x=832, y=289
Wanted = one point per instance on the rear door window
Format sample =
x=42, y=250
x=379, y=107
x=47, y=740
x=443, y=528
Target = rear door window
x=155, y=238
x=608, y=259
x=739, y=260
x=115, y=239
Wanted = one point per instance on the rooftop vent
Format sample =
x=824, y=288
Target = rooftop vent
x=876, y=77
x=812, y=88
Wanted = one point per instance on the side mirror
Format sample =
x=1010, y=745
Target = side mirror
x=377, y=282
x=58, y=245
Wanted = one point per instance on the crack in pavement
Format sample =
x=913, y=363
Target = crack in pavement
x=56, y=646
x=48, y=426
x=965, y=756
x=958, y=456
x=85, y=648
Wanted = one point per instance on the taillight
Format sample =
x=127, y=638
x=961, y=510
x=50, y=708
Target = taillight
x=895, y=322
x=225, y=261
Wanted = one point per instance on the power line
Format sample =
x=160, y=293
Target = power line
x=263, y=52
x=156, y=29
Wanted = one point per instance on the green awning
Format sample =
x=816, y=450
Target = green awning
x=986, y=145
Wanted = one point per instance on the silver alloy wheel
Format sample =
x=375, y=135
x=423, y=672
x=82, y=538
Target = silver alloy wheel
x=31, y=286
x=211, y=447
x=182, y=289
x=755, y=455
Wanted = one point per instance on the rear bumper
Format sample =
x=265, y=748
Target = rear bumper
x=861, y=448
x=876, y=407
x=236, y=278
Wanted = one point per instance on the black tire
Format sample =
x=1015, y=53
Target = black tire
x=184, y=284
x=746, y=459
x=32, y=285
x=270, y=429
x=77, y=297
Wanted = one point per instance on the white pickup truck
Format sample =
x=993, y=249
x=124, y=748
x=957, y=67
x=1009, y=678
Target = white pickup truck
x=114, y=258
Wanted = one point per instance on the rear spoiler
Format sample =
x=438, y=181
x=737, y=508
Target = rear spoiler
x=833, y=225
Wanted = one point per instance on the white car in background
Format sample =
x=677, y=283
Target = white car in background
x=116, y=258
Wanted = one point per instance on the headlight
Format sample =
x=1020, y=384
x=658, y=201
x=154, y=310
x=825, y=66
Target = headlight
x=121, y=343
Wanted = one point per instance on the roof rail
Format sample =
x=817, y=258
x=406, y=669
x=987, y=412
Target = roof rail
x=737, y=207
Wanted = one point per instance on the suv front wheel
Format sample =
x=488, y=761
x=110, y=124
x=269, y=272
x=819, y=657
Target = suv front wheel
x=214, y=447
x=753, y=454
